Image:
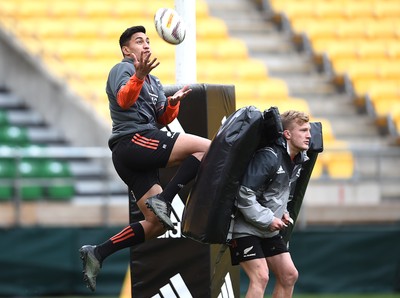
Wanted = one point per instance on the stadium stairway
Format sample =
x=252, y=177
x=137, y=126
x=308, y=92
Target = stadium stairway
x=376, y=161
x=39, y=200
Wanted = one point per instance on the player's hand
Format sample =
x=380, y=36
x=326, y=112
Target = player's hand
x=179, y=95
x=144, y=65
x=276, y=225
x=287, y=219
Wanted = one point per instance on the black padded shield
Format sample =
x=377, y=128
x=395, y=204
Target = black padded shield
x=272, y=126
x=210, y=205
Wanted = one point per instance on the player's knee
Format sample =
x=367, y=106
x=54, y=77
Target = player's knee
x=290, y=278
x=261, y=279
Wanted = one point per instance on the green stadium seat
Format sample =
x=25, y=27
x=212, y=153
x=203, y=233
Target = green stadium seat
x=6, y=192
x=60, y=191
x=30, y=188
x=53, y=169
x=7, y=174
x=7, y=168
x=3, y=118
x=14, y=135
x=59, y=188
x=29, y=168
x=31, y=192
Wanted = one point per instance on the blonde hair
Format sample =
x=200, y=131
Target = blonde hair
x=290, y=117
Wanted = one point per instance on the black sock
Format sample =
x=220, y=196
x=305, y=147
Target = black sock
x=185, y=173
x=129, y=236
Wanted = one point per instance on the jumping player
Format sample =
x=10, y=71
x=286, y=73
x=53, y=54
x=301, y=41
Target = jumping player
x=139, y=109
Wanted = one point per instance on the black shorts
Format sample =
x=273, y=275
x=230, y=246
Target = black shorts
x=137, y=158
x=253, y=247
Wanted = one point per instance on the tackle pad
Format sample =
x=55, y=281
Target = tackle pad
x=210, y=206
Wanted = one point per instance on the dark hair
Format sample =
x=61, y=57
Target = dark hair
x=126, y=36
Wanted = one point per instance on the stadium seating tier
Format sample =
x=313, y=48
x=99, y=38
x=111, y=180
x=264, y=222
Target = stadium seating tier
x=77, y=39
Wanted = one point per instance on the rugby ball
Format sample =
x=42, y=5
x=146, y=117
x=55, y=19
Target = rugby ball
x=169, y=25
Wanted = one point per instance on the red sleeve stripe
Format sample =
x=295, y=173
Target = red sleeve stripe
x=145, y=142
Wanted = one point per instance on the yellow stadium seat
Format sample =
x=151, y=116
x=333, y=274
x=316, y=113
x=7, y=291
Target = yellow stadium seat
x=389, y=70
x=41, y=28
x=383, y=107
x=251, y=70
x=381, y=89
x=113, y=30
x=327, y=131
x=335, y=144
x=231, y=72
x=341, y=50
x=298, y=104
x=294, y=10
x=89, y=71
x=372, y=50
x=362, y=86
x=271, y=89
x=64, y=9
x=386, y=9
x=140, y=9
x=351, y=29
x=8, y=9
x=363, y=70
x=147, y=9
x=166, y=72
x=317, y=29
x=83, y=29
x=341, y=65
x=31, y=9
x=224, y=49
x=381, y=29
x=69, y=50
x=258, y=103
x=339, y=164
x=33, y=45
x=328, y=9
x=283, y=104
x=95, y=9
x=202, y=10
x=358, y=9
x=102, y=50
x=209, y=28
x=65, y=50
x=393, y=51
x=318, y=169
